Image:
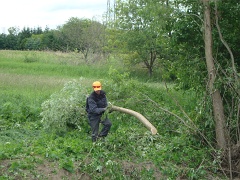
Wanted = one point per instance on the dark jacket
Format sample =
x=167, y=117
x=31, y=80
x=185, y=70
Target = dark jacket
x=96, y=104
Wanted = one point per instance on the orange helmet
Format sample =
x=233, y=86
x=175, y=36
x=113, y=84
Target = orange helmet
x=97, y=86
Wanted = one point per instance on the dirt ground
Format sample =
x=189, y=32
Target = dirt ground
x=51, y=171
x=45, y=170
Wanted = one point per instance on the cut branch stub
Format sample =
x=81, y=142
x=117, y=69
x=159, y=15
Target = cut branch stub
x=138, y=116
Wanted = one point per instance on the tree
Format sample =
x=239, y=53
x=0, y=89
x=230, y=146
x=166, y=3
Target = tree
x=37, y=30
x=3, y=41
x=143, y=27
x=187, y=45
x=50, y=40
x=218, y=109
x=228, y=13
x=11, y=39
x=95, y=35
x=212, y=20
x=211, y=27
x=82, y=35
x=22, y=37
x=34, y=42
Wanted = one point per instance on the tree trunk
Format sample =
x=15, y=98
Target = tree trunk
x=150, y=62
x=140, y=117
x=218, y=110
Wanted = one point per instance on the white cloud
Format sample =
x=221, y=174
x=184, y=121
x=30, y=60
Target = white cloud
x=51, y=13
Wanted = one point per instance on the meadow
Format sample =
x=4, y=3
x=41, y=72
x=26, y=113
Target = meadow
x=29, y=151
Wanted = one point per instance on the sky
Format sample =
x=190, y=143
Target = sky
x=50, y=13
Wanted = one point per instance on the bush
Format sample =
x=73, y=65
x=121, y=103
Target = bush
x=66, y=108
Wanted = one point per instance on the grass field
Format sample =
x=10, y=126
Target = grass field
x=28, y=151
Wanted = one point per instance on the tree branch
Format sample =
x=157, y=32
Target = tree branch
x=138, y=116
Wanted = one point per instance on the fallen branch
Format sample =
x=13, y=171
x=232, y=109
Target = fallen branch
x=138, y=116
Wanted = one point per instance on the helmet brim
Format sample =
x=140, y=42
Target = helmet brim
x=97, y=89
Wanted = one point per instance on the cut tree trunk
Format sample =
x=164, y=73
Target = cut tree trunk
x=140, y=117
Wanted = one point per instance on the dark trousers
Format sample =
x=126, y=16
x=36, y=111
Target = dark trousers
x=94, y=122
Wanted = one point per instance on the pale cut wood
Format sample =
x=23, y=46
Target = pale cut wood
x=140, y=117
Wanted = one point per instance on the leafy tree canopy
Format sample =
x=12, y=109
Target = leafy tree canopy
x=143, y=28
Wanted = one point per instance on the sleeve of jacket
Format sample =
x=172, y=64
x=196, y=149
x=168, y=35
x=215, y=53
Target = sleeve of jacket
x=93, y=109
x=105, y=98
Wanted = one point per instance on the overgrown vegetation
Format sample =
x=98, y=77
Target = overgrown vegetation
x=45, y=135
x=174, y=61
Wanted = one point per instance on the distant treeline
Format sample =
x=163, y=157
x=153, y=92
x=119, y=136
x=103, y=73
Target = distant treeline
x=76, y=35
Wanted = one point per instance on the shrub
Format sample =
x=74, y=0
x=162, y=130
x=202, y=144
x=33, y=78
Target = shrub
x=66, y=108
x=31, y=57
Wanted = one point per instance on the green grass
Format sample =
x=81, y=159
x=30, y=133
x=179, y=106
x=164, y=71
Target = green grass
x=18, y=66
x=27, y=79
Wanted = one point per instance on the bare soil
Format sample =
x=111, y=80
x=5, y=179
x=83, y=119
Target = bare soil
x=50, y=170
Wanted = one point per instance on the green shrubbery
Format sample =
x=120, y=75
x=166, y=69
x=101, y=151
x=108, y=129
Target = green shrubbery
x=30, y=105
x=15, y=110
x=65, y=108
